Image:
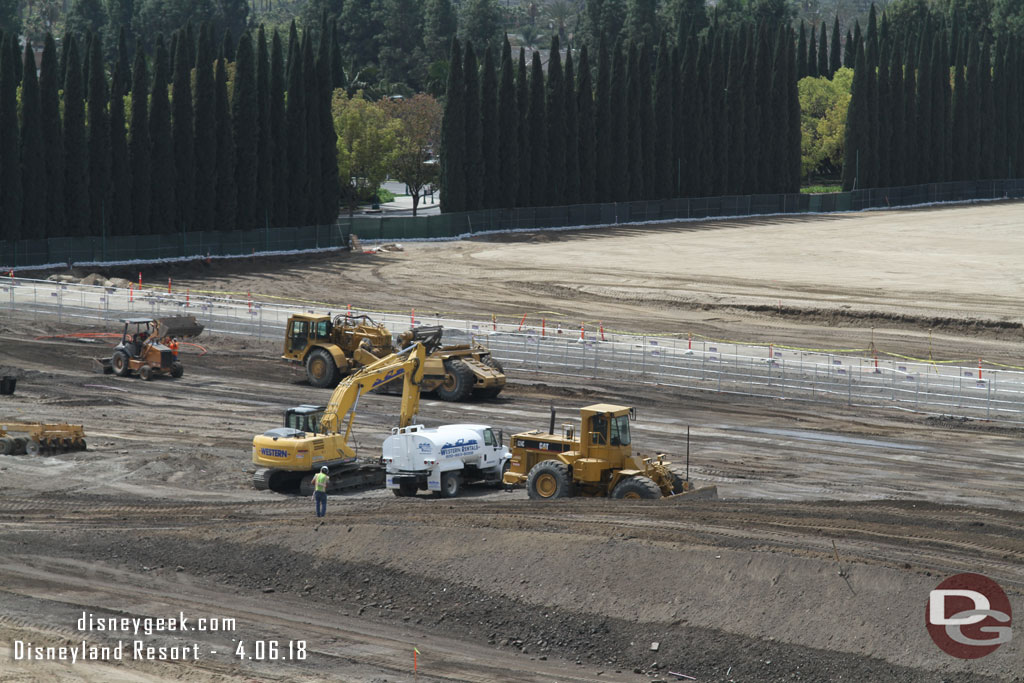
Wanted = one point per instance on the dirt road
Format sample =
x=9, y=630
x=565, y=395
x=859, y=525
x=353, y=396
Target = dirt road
x=157, y=517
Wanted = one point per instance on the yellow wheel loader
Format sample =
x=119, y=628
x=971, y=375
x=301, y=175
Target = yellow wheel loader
x=597, y=461
x=315, y=436
x=332, y=349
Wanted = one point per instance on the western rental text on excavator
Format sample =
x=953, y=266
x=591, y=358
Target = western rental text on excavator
x=313, y=436
x=331, y=349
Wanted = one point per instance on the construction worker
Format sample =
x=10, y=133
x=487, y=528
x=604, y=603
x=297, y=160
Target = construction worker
x=320, y=480
x=173, y=346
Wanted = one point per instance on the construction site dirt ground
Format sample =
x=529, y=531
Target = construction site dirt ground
x=833, y=525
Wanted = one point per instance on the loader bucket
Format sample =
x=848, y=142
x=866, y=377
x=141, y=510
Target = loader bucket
x=102, y=366
x=702, y=493
x=177, y=326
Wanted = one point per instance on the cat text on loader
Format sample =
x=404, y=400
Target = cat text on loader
x=331, y=349
x=314, y=436
x=599, y=461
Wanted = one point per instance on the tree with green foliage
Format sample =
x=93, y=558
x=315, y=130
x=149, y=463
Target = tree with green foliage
x=327, y=140
x=554, y=98
x=279, y=133
x=647, y=124
x=490, y=192
x=736, y=102
x=960, y=120
x=602, y=126
x=120, y=214
x=420, y=118
x=53, y=140
x=480, y=23
x=642, y=21
x=453, y=136
x=524, y=190
x=368, y=141
x=634, y=159
x=245, y=126
x=33, y=169
x=538, y=134
x=86, y=16
x=924, y=157
x=604, y=21
x=941, y=98
x=822, y=69
x=849, y=49
x=572, y=159
x=361, y=28
x=314, y=174
x=586, y=160
x=182, y=129
x=897, y=124
x=264, y=140
x=835, y=60
x=508, y=123
x=401, y=42
x=10, y=167
x=139, y=151
x=298, y=164
x=975, y=95
x=617, y=184
x=440, y=23
x=99, y=142
x=10, y=19
x=227, y=194
x=801, y=52
x=162, y=206
x=906, y=137
x=857, y=130
x=823, y=111
x=204, y=95
x=474, y=135
x=812, y=56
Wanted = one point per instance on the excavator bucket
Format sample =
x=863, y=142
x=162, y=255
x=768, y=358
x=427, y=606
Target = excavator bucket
x=702, y=493
x=179, y=326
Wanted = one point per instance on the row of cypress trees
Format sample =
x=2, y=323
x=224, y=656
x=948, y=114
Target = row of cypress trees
x=720, y=116
x=197, y=138
x=934, y=105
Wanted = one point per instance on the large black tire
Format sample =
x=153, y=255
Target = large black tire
x=119, y=363
x=177, y=369
x=458, y=381
x=637, y=487
x=490, y=392
x=321, y=371
x=406, y=489
x=7, y=445
x=549, y=479
x=451, y=484
x=146, y=372
x=33, y=447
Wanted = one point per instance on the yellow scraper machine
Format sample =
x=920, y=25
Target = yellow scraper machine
x=596, y=461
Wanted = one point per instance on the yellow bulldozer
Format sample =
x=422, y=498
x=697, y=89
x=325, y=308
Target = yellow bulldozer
x=332, y=349
x=317, y=436
x=596, y=461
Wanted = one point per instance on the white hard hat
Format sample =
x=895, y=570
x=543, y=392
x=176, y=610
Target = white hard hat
x=323, y=469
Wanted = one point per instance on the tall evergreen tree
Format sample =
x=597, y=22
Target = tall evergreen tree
x=641, y=21
x=474, y=136
x=603, y=161
x=941, y=98
x=53, y=140
x=439, y=26
x=204, y=95
x=227, y=193
x=857, y=130
x=663, y=128
x=1014, y=160
x=524, y=190
x=924, y=158
x=801, y=52
x=998, y=121
x=850, y=49
x=762, y=155
x=586, y=147
x=647, y=124
x=906, y=137
x=975, y=95
x=76, y=151
x=538, y=130
x=183, y=136
x=139, y=152
x=123, y=61
x=33, y=169
x=737, y=100
x=778, y=144
x=313, y=130
x=812, y=56
x=490, y=193
x=245, y=126
x=792, y=96
x=10, y=167
x=634, y=158
x=298, y=164
x=327, y=142
x=898, y=129
x=508, y=124
x=453, y=136
x=835, y=59
x=120, y=170
x=869, y=162
x=687, y=143
x=883, y=133
x=65, y=46
x=701, y=177
x=227, y=46
x=752, y=117
x=163, y=175
x=572, y=131
x=960, y=119
x=555, y=107
x=264, y=141
x=279, y=133
x=99, y=143
x=871, y=39
x=823, y=53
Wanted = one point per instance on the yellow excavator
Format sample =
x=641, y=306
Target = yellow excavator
x=315, y=436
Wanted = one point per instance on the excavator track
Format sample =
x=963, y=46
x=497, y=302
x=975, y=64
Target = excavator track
x=350, y=475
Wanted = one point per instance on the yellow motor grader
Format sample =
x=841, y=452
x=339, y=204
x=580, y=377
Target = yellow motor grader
x=332, y=349
x=597, y=461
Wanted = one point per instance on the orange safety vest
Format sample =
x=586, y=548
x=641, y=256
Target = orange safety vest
x=320, y=481
x=174, y=348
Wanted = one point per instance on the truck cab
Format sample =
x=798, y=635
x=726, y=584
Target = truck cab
x=443, y=459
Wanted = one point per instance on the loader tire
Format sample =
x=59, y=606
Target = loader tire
x=33, y=447
x=7, y=446
x=119, y=364
x=637, y=487
x=146, y=372
x=321, y=371
x=458, y=381
x=177, y=369
x=549, y=479
x=451, y=485
x=406, y=489
x=490, y=392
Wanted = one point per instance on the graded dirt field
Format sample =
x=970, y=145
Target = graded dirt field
x=815, y=565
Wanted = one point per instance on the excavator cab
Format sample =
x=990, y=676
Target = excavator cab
x=304, y=418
